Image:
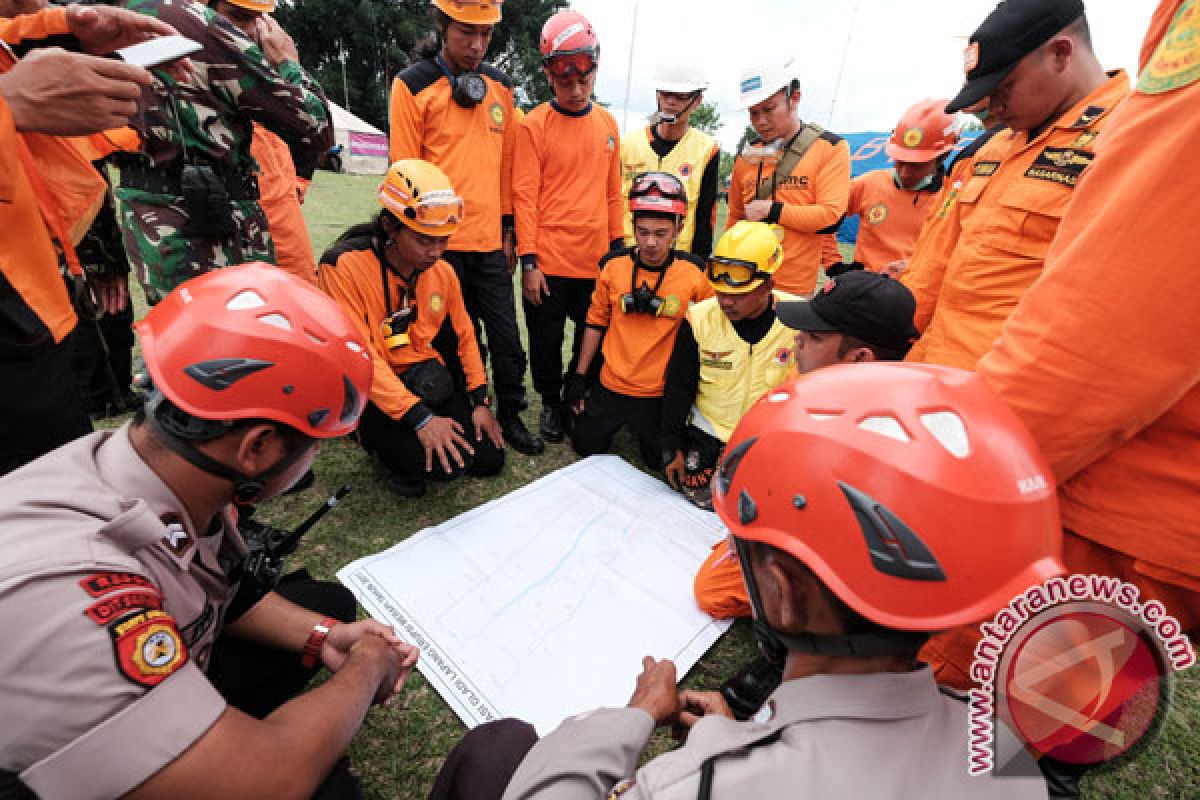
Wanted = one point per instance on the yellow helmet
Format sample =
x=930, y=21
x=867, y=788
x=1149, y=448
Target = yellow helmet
x=261, y=6
x=748, y=254
x=471, y=12
x=422, y=197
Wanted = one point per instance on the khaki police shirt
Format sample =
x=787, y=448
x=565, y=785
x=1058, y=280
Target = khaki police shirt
x=884, y=735
x=110, y=601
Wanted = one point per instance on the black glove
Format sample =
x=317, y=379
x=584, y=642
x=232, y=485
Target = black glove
x=576, y=390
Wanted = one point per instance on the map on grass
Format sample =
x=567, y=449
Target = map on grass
x=542, y=603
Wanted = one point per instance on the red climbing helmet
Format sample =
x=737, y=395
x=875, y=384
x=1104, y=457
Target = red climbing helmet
x=659, y=192
x=252, y=342
x=910, y=490
x=569, y=45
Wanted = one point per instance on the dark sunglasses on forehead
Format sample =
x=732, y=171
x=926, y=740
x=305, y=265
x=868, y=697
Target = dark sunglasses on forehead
x=562, y=66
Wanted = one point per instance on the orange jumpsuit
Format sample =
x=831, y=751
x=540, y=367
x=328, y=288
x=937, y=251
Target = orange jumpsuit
x=890, y=218
x=280, y=190
x=808, y=203
x=1005, y=217
x=1103, y=369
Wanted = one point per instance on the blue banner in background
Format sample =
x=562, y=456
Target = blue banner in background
x=866, y=154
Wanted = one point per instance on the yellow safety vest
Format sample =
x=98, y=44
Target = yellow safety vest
x=734, y=374
x=686, y=161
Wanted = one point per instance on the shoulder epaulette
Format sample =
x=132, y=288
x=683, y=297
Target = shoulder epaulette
x=612, y=254
x=420, y=76
x=339, y=249
x=832, y=138
x=691, y=258
x=496, y=74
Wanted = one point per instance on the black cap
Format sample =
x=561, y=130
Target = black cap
x=1014, y=30
x=866, y=305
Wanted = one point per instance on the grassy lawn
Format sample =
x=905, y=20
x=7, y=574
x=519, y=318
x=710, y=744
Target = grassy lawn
x=401, y=748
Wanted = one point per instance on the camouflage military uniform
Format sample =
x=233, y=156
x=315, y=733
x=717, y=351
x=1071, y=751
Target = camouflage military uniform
x=233, y=85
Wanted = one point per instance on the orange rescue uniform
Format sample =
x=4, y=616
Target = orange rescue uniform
x=637, y=347
x=809, y=202
x=351, y=274
x=473, y=146
x=567, y=189
x=890, y=218
x=1007, y=214
x=280, y=190
x=925, y=270
x=33, y=299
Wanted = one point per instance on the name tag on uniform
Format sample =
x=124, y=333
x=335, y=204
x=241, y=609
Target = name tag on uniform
x=1061, y=165
x=986, y=169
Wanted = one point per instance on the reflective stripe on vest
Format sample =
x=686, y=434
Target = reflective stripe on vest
x=734, y=374
x=692, y=151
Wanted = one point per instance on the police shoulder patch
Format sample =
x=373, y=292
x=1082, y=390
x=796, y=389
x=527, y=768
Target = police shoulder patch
x=147, y=647
x=1176, y=60
x=102, y=583
x=107, y=609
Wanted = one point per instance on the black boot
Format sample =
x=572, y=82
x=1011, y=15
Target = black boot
x=552, y=424
x=520, y=438
x=751, y=686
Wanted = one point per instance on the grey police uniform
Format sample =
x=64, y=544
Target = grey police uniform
x=110, y=601
x=877, y=736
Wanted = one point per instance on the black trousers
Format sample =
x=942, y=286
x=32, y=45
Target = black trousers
x=104, y=347
x=402, y=453
x=569, y=298
x=488, y=294
x=257, y=679
x=40, y=404
x=482, y=764
x=605, y=411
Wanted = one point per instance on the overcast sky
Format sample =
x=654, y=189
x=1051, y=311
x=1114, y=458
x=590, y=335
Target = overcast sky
x=898, y=52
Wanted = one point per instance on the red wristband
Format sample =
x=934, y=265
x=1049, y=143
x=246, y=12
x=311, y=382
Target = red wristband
x=312, y=648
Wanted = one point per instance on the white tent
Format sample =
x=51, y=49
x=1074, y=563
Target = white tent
x=364, y=147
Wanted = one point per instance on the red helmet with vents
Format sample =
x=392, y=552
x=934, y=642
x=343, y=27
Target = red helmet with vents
x=252, y=342
x=911, y=491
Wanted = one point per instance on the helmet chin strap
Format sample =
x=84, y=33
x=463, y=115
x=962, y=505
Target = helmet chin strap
x=775, y=645
x=246, y=489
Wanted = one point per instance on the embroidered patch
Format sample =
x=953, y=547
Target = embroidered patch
x=105, y=611
x=147, y=647
x=986, y=169
x=783, y=357
x=877, y=213
x=670, y=305
x=971, y=57
x=1084, y=139
x=1176, y=60
x=103, y=583
x=1061, y=165
x=913, y=137
x=685, y=170
x=716, y=360
x=497, y=112
x=1089, y=115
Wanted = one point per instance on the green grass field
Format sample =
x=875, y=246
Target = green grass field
x=402, y=747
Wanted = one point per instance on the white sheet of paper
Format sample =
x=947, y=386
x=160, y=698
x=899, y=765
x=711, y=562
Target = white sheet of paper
x=541, y=604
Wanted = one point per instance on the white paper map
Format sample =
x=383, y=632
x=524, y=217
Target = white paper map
x=541, y=604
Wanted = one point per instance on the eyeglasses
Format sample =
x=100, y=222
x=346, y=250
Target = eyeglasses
x=734, y=272
x=564, y=65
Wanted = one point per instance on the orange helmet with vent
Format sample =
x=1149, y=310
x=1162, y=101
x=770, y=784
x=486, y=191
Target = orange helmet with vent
x=422, y=197
x=472, y=12
x=925, y=133
x=911, y=491
x=252, y=342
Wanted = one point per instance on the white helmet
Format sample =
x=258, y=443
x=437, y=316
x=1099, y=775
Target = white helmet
x=679, y=76
x=763, y=80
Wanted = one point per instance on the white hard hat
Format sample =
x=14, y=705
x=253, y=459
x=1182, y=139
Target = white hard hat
x=763, y=80
x=679, y=76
